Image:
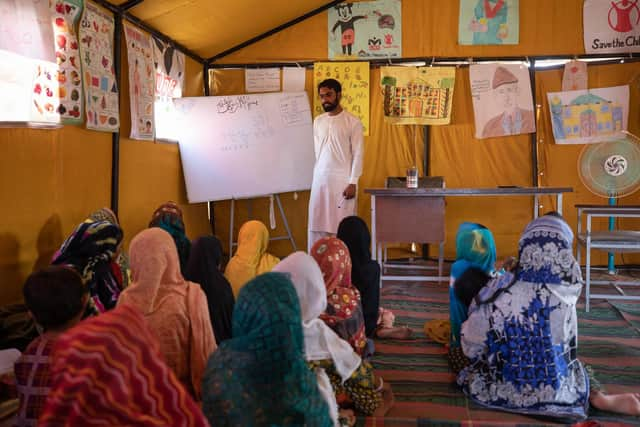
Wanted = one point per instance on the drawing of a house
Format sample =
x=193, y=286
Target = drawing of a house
x=586, y=116
x=418, y=98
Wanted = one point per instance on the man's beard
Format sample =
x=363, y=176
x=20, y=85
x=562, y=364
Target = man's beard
x=329, y=107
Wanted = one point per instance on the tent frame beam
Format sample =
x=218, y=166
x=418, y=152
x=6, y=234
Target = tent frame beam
x=613, y=58
x=273, y=31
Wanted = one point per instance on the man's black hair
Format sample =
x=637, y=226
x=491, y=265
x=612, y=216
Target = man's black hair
x=331, y=84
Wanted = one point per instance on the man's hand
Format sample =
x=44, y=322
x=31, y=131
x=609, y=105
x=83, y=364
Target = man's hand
x=349, y=192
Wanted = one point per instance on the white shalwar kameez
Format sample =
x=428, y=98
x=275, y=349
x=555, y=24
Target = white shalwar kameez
x=339, y=149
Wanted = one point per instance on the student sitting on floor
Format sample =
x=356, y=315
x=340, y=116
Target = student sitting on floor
x=259, y=377
x=521, y=334
x=204, y=268
x=475, y=248
x=56, y=298
x=91, y=250
x=365, y=275
x=108, y=371
x=251, y=257
x=344, y=309
x=168, y=217
x=351, y=378
x=175, y=309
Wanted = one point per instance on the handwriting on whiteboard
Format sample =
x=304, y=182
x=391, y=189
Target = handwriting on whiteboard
x=238, y=103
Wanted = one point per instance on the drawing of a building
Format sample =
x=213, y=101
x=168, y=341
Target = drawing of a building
x=417, y=99
x=586, y=116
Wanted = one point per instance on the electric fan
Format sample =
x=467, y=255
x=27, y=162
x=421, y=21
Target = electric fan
x=611, y=169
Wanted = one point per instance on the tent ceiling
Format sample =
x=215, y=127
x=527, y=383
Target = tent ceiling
x=210, y=27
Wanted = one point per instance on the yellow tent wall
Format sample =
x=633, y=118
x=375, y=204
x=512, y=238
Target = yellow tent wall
x=53, y=179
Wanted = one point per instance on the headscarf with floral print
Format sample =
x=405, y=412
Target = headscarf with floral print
x=344, y=310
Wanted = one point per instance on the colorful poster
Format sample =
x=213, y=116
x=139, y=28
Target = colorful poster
x=354, y=78
x=611, y=26
x=45, y=93
x=100, y=86
x=29, y=90
x=489, y=22
x=65, y=15
x=586, y=116
x=417, y=95
x=25, y=29
x=141, y=82
x=502, y=101
x=368, y=29
x=575, y=76
x=169, y=65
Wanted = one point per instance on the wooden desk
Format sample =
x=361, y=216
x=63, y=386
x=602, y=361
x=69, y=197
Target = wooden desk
x=417, y=214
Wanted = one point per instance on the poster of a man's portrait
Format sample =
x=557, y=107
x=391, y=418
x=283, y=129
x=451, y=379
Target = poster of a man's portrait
x=502, y=101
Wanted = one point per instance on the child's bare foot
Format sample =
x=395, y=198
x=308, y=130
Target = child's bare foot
x=627, y=403
x=398, y=333
x=347, y=417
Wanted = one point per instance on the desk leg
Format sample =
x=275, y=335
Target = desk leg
x=559, y=203
x=536, y=206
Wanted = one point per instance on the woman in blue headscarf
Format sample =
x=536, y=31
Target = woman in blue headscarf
x=475, y=261
x=260, y=376
x=522, y=334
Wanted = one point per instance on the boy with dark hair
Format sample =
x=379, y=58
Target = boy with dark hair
x=56, y=298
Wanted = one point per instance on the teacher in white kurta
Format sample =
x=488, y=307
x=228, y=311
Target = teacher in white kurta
x=339, y=146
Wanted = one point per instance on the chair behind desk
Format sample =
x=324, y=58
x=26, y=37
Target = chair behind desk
x=423, y=182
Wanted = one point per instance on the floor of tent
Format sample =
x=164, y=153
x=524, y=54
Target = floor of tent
x=424, y=388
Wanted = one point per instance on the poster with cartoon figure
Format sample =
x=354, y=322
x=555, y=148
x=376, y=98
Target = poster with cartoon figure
x=502, y=100
x=485, y=22
x=141, y=82
x=611, y=26
x=65, y=15
x=169, y=65
x=25, y=29
x=417, y=95
x=354, y=78
x=369, y=29
x=96, y=52
x=588, y=116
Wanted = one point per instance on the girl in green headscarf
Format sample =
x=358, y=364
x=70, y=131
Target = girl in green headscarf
x=260, y=377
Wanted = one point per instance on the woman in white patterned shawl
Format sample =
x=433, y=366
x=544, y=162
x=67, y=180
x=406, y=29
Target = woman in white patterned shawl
x=522, y=334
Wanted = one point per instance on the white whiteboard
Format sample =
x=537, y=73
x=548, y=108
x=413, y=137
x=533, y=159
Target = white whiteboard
x=244, y=146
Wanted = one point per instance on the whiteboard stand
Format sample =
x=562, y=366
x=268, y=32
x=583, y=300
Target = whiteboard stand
x=289, y=236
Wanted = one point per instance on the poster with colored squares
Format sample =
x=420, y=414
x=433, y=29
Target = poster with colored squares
x=65, y=15
x=96, y=51
x=354, y=78
x=417, y=95
x=141, y=82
